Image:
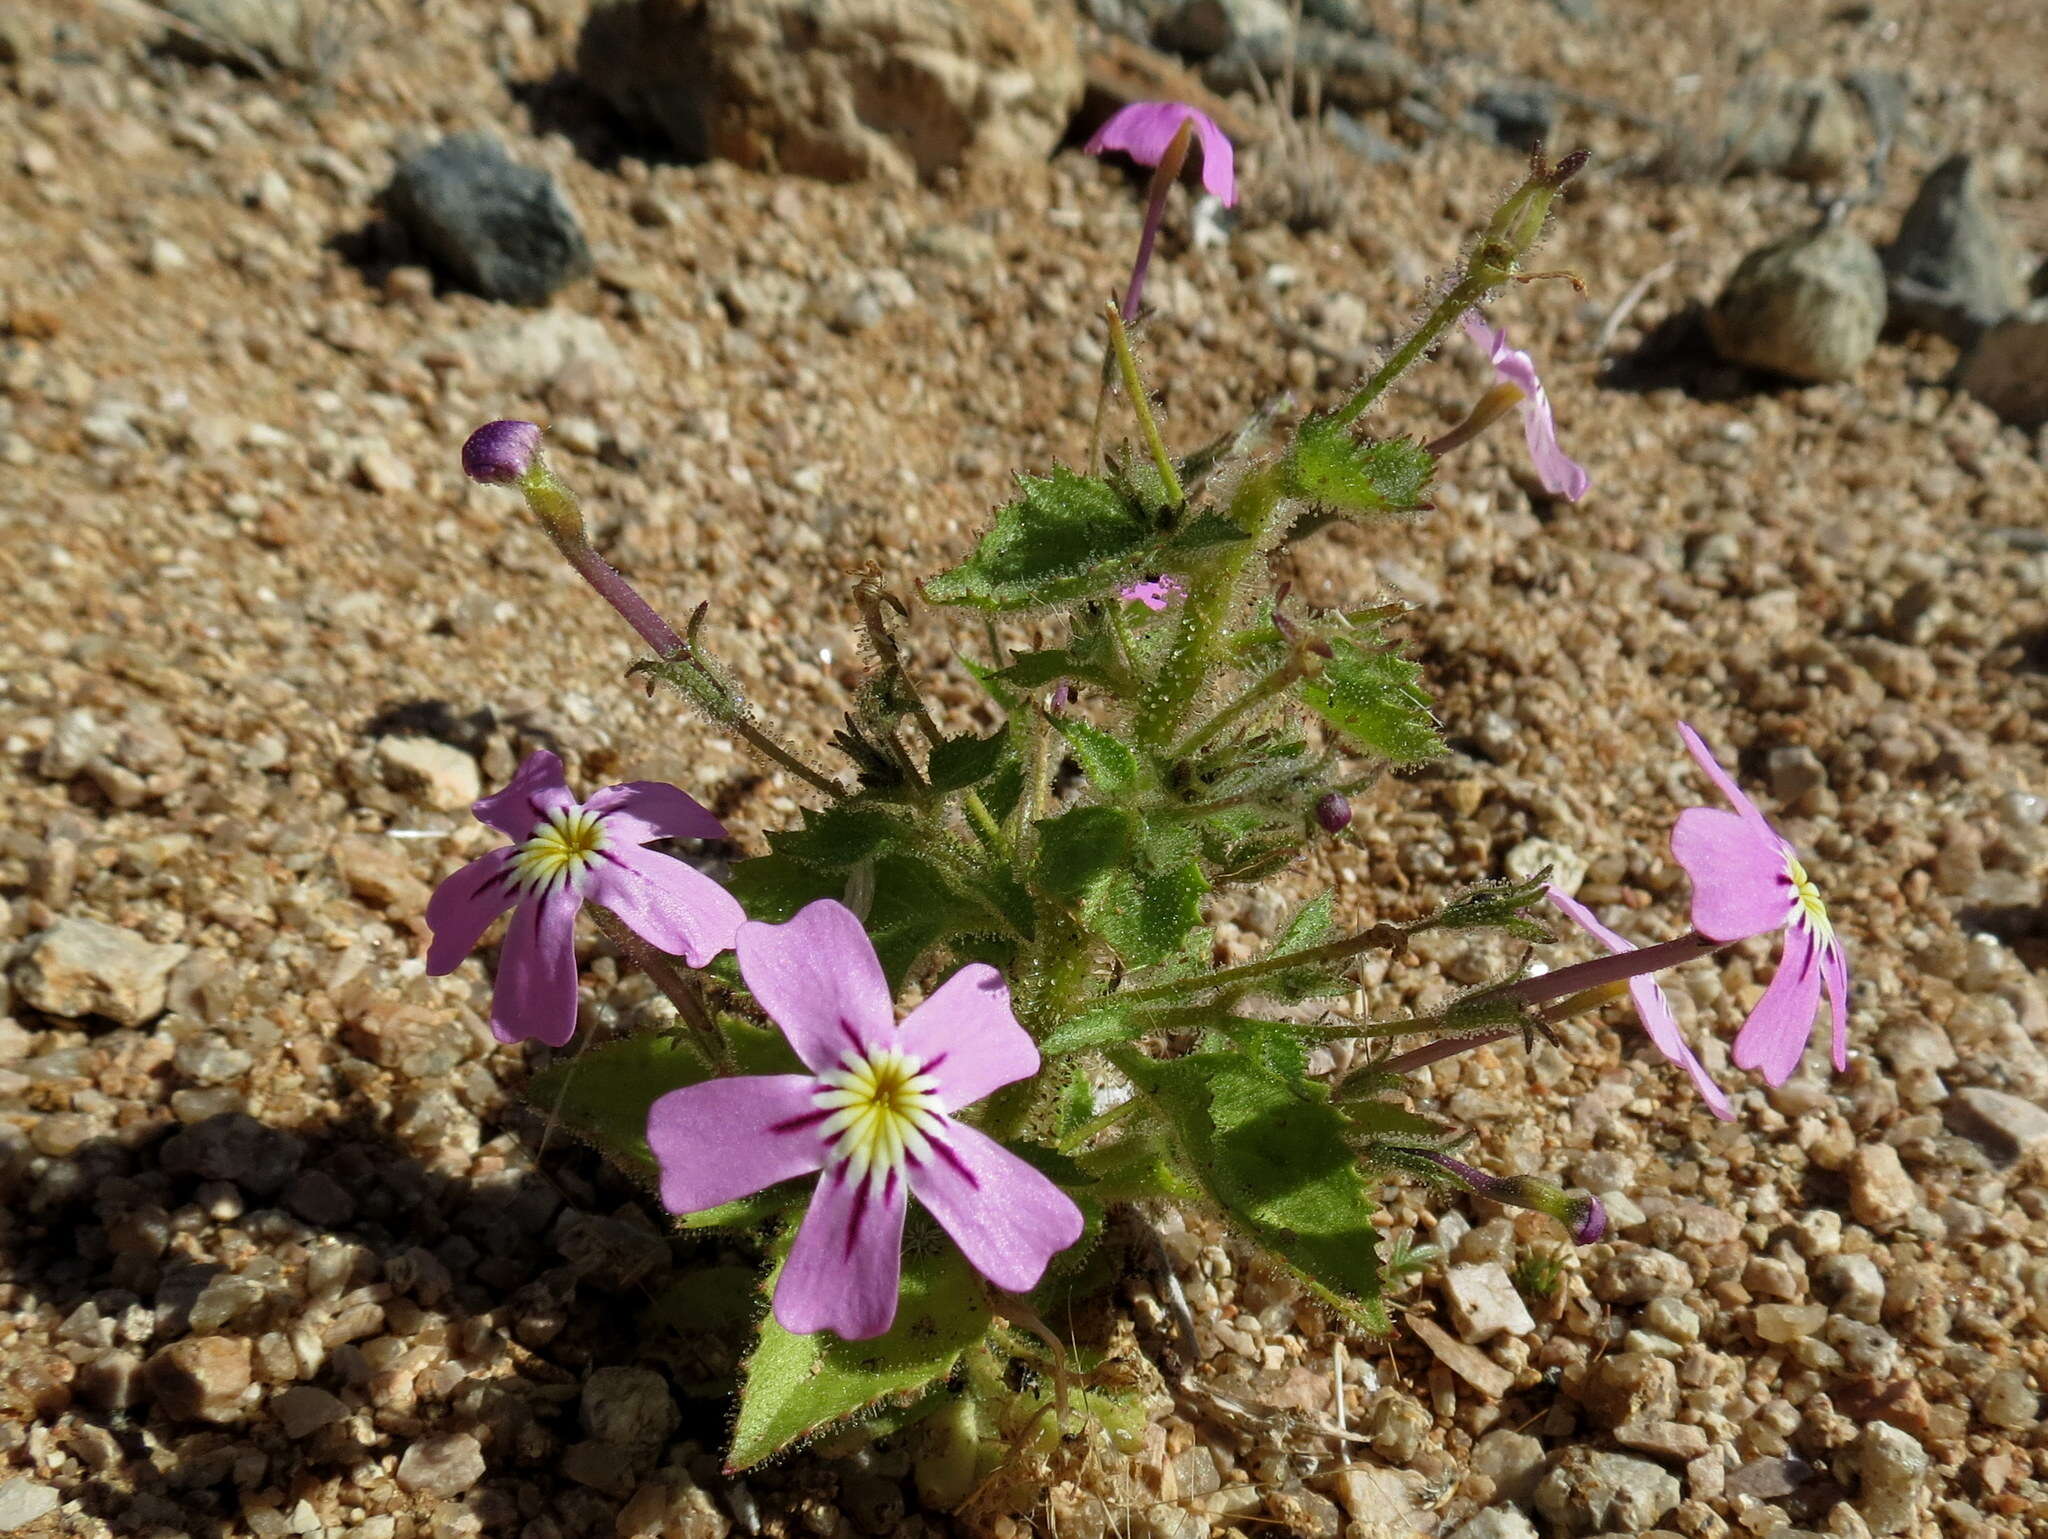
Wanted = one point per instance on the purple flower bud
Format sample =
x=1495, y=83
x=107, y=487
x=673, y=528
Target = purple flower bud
x=499, y=453
x=1333, y=812
x=1581, y=1213
x=1592, y=1223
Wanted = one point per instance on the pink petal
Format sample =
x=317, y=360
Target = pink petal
x=1834, y=972
x=1561, y=475
x=1144, y=130
x=665, y=901
x=1653, y=1009
x=1724, y=782
x=639, y=811
x=1774, y=1037
x=537, y=792
x=843, y=1271
x=819, y=980
x=535, y=996
x=1007, y=1218
x=464, y=905
x=968, y=1037
x=729, y=1138
x=1740, y=886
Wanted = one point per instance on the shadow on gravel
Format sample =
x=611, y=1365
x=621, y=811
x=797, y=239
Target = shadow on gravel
x=193, y=1265
x=439, y=720
x=1676, y=355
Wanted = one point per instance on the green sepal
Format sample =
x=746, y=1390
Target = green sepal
x=1274, y=1154
x=1075, y=1104
x=748, y=1215
x=1035, y=670
x=1066, y=537
x=1198, y=539
x=603, y=1093
x=797, y=1386
x=1374, y=700
x=1497, y=906
x=959, y=762
x=1100, y=1026
x=1333, y=470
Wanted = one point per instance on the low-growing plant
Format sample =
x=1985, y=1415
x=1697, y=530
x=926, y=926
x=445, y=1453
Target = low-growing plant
x=921, y=1192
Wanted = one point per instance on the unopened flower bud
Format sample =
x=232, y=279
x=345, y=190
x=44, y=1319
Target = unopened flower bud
x=1333, y=812
x=500, y=453
x=1581, y=1213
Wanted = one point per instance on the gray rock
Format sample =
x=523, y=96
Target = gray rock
x=2007, y=368
x=2008, y=1400
x=1484, y=1302
x=673, y=1506
x=247, y=32
x=80, y=967
x=1362, y=139
x=630, y=1408
x=22, y=1501
x=436, y=773
x=1520, y=117
x=1809, y=306
x=1884, y=96
x=1495, y=1523
x=1511, y=1460
x=2009, y=1127
x=1201, y=29
x=1635, y=1275
x=1855, y=1285
x=201, y=1378
x=441, y=1466
x=1952, y=269
x=1894, y=1467
x=1590, y=1491
x=1358, y=74
x=496, y=227
x=303, y=1410
x=895, y=89
x=1880, y=1191
x=1808, y=129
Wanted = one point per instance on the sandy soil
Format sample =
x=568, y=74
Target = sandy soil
x=260, y=1248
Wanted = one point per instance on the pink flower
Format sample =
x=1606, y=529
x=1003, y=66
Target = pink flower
x=564, y=853
x=1747, y=880
x=1144, y=130
x=1155, y=593
x=875, y=1115
x=1561, y=475
x=1652, y=1008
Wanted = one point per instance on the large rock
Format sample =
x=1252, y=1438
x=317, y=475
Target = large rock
x=80, y=967
x=2007, y=368
x=1952, y=269
x=1808, y=130
x=1808, y=306
x=840, y=89
x=494, y=226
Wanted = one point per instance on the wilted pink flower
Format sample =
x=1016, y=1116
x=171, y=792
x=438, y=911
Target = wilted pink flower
x=1561, y=475
x=1652, y=1008
x=1747, y=880
x=564, y=853
x=1144, y=130
x=1154, y=593
x=875, y=1115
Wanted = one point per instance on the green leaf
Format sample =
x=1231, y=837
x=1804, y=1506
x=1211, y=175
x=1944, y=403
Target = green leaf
x=1331, y=469
x=797, y=1386
x=1312, y=925
x=1110, y=765
x=748, y=1215
x=1035, y=670
x=1373, y=699
x=911, y=908
x=1273, y=1154
x=1066, y=537
x=838, y=837
x=1076, y=1103
x=958, y=762
x=603, y=1093
x=1079, y=850
x=1099, y=1027
x=1200, y=537
x=1269, y=1043
x=1146, y=914
x=773, y=887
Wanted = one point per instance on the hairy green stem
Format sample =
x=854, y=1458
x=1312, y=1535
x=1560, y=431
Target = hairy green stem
x=1462, y=297
x=1206, y=612
x=1381, y=937
x=1265, y=689
x=1101, y=1122
x=681, y=991
x=1141, y=406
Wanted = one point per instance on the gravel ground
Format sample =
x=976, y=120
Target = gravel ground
x=280, y=1253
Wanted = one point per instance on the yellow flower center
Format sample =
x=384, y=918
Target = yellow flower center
x=559, y=850
x=1807, y=896
x=883, y=1105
